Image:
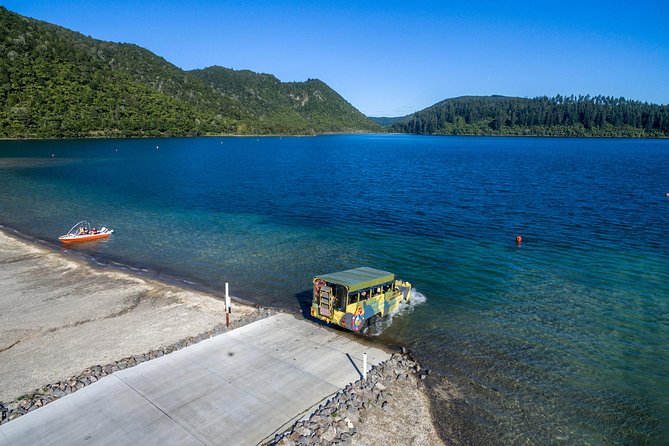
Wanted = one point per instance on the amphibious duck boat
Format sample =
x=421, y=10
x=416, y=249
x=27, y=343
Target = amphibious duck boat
x=82, y=232
x=353, y=297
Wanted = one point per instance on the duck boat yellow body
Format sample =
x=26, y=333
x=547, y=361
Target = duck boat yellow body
x=352, y=298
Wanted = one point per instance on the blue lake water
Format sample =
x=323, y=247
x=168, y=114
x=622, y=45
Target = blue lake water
x=561, y=340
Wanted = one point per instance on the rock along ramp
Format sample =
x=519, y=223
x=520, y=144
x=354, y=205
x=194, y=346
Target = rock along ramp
x=237, y=388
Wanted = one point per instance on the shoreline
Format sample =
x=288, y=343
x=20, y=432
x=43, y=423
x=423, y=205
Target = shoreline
x=62, y=318
x=111, y=264
x=305, y=135
x=221, y=135
x=78, y=315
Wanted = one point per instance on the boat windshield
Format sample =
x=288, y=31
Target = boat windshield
x=76, y=228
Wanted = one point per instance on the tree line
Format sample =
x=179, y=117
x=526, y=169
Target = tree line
x=542, y=116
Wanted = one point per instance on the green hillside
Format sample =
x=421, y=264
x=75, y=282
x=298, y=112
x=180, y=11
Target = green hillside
x=542, y=116
x=293, y=107
x=58, y=83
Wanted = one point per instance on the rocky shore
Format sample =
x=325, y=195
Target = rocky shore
x=389, y=407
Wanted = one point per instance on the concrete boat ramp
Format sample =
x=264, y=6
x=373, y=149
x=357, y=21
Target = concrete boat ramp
x=239, y=388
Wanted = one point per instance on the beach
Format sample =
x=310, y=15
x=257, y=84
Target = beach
x=59, y=315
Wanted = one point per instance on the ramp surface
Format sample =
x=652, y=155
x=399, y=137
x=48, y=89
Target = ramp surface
x=238, y=388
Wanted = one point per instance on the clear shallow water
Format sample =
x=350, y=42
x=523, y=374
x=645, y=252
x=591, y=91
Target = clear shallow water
x=562, y=340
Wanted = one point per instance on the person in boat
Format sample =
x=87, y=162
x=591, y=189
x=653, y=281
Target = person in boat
x=82, y=231
x=94, y=231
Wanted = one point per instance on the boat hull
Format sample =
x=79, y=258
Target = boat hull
x=67, y=239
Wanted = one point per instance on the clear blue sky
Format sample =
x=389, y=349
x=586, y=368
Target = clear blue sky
x=391, y=57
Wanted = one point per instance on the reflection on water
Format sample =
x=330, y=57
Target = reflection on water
x=561, y=340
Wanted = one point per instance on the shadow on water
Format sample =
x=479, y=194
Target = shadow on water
x=304, y=301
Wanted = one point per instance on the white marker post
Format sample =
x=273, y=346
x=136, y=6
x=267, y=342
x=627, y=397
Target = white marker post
x=364, y=366
x=228, y=306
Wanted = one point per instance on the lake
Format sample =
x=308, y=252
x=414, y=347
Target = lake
x=562, y=339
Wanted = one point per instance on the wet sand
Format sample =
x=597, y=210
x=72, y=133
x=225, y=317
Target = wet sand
x=59, y=315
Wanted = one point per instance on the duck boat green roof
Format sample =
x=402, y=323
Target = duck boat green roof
x=359, y=278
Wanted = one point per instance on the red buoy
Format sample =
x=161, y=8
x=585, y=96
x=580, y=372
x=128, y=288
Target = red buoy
x=519, y=240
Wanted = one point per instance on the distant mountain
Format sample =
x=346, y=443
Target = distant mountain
x=385, y=121
x=59, y=83
x=541, y=116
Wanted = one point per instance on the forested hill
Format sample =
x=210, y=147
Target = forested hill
x=541, y=116
x=59, y=83
x=286, y=107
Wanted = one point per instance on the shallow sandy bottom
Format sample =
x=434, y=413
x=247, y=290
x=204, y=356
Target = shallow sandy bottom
x=60, y=315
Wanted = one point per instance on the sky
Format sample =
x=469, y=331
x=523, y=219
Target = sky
x=392, y=58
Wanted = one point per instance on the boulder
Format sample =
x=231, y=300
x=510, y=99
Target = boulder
x=329, y=434
x=285, y=441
